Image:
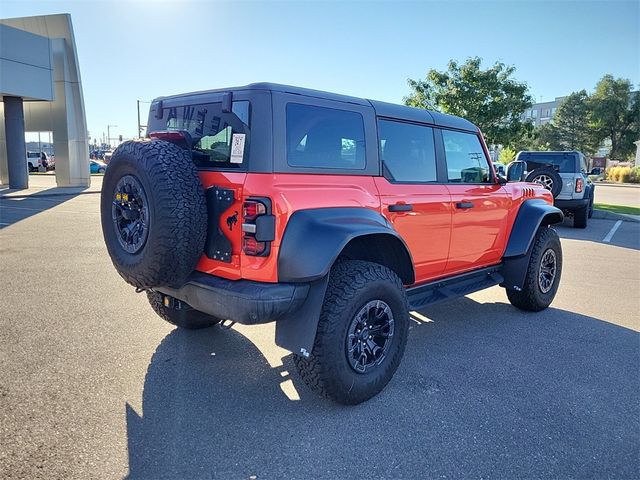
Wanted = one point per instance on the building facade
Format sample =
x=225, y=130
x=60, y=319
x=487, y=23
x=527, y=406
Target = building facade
x=541, y=113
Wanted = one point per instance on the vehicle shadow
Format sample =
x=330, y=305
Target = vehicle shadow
x=483, y=391
x=15, y=208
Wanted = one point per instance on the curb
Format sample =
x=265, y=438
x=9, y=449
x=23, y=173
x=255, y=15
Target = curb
x=616, y=184
x=605, y=215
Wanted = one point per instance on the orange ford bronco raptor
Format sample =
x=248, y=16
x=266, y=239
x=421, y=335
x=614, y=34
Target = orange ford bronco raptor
x=332, y=216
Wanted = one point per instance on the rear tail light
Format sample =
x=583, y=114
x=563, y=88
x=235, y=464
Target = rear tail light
x=579, y=185
x=253, y=209
x=250, y=246
x=258, y=227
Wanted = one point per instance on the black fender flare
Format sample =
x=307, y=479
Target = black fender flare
x=314, y=238
x=312, y=242
x=533, y=214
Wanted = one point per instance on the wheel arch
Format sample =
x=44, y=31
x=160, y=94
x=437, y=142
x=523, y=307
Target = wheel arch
x=533, y=214
x=315, y=238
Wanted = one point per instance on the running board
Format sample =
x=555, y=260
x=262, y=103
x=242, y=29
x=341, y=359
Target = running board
x=453, y=287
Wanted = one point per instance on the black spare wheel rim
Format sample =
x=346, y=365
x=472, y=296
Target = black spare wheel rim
x=130, y=214
x=369, y=336
x=548, y=269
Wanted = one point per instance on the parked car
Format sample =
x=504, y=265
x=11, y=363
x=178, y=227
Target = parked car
x=37, y=161
x=597, y=174
x=333, y=216
x=500, y=168
x=565, y=175
x=97, y=166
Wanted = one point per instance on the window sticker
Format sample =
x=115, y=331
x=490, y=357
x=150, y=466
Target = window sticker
x=237, y=147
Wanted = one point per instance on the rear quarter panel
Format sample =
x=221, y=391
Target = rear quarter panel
x=288, y=193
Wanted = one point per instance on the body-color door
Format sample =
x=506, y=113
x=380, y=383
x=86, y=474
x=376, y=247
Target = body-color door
x=480, y=205
x=418, y=208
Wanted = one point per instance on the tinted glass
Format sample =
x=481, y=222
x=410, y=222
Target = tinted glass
x=561, y=163
x=213, y=132
x=319, y=137
x=466, y=161
x=407, y=151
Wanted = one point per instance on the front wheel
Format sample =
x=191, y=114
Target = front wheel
x=362, y=333
x=179, y=313
x=543, y=273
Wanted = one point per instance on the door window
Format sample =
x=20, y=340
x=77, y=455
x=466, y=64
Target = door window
x=407, y=151
x=466, y=161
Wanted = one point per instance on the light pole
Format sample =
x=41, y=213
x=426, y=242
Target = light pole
x=109, y=134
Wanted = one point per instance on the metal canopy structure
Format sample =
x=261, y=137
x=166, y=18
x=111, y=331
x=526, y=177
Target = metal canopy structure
x=41, y=91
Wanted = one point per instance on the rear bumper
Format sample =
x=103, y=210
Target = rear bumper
x=241, y=301
x=571, y=204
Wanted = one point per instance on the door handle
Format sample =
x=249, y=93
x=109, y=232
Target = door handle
x=464, y=205
x=401, y=207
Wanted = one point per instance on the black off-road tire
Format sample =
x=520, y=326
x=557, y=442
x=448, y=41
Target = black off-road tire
x=580, y=217
x=546, y=172
x=352, y=284
x=531, y=298
x=184, y=317
x=591, y=206
x=177, y=213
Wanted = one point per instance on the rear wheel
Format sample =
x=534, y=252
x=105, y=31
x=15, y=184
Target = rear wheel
x=179, y=313
x=580, y=217
x=591, y=206
x=543, y=273
x=361, y=334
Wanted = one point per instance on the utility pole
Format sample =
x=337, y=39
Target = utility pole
x=109, y=134
x=140, y=126
x=139, y=129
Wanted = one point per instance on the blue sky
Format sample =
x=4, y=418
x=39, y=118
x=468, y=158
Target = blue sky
x=136, y=49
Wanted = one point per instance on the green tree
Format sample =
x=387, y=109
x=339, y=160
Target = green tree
x=542, y=138
x=571, y=125
x=507, y=155
x=615, y=115
x=490, y=98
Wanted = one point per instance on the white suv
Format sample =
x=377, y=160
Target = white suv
x=565, y=175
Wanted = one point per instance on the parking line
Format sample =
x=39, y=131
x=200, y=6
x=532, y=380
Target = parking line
x=613, y=230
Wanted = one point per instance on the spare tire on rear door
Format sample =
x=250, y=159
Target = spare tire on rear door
x=548, y=178
x=154, y=213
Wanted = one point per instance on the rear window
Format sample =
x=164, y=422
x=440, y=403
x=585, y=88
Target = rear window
x=562, y=163
x=319, y=137
x=220, y=140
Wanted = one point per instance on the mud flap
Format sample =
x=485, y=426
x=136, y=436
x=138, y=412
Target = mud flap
x=514, y=271
x=296, y=330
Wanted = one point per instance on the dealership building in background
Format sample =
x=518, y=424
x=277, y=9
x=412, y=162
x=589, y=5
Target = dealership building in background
x=41, y=92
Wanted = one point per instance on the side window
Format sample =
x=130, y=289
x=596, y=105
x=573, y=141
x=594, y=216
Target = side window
x=466, y=161
x=583, y=164
x=213, y=132
x=319, y=137
x=407, y=151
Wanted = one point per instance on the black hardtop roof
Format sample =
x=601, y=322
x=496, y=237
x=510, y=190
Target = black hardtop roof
x=554, y=152
x=382, y=109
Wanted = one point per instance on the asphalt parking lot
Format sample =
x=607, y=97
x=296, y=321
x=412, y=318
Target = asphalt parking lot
x=94, y=385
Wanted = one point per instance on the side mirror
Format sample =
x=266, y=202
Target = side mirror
x=501, y=180
x=515, y=171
